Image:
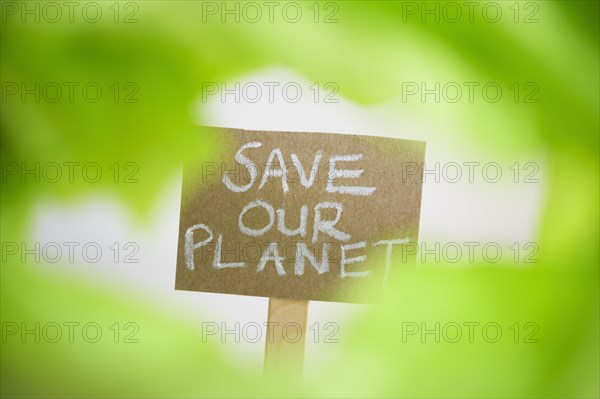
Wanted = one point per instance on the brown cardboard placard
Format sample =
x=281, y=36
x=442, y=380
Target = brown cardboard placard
x=262, y=215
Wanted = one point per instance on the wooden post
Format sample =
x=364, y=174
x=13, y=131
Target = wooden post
x=286, y=335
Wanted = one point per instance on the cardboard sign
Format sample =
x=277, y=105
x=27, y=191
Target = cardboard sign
x=298, y=215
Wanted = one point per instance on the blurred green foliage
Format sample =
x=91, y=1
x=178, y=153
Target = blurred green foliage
x=168, y=53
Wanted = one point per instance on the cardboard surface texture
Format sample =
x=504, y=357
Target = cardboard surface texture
x=309, y=216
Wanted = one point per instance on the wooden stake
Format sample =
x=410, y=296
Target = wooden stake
x=286, y=335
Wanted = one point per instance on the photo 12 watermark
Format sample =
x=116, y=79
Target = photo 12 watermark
x=472, y=172
x=470, y=92
x=69, y=172
x=53, y=332
x=69, y=252
x=289, y=12
x=270, y=92
x=430, y=172
x=253, y=332
x=453, y=332
x=70, y=92
x=52, y=12
x=225, y=252
x=453, y=12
